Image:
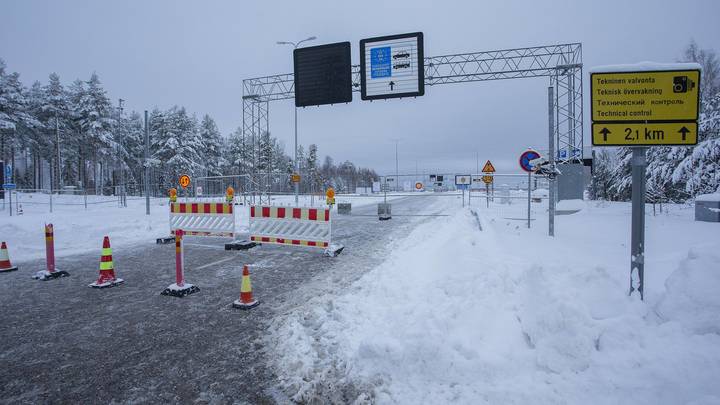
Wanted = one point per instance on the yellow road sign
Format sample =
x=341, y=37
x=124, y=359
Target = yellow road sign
x=487, y=179
x=488, y=168
x=645, y=96
x=184, y=181
x=653, y=133
x=330, y=193
x=295, y=178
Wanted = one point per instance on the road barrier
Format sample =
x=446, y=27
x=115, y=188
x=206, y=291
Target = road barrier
x=309, y=227
x=202, y=218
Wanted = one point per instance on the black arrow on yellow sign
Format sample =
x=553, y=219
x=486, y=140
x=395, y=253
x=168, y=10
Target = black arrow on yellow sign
x=684, y=131
x=605, y=133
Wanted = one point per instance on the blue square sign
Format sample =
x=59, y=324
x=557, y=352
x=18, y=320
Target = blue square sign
x=380, y=63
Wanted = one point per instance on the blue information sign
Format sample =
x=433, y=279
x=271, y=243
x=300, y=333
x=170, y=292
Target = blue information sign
x=9, y=186
x=380, y=62
x=525, y=159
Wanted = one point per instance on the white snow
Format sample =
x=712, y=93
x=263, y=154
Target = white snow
x=570, y=205
x=714, y=197
x=645, y=67
x=509, y=315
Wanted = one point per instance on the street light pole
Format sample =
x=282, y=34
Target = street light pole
x=295, y=45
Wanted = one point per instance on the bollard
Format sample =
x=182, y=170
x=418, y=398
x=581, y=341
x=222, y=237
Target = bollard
x=179, y=288
x=179, y=265
x=52, y=272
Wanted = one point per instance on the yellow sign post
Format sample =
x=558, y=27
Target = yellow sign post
x=654, y=133
x=184, y=181
x=643, y=107
x=488, y=168
x=662, y=106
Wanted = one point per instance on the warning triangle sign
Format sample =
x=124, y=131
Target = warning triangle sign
x=488, y=168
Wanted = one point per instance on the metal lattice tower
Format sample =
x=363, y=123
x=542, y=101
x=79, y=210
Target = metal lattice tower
x=562, y=64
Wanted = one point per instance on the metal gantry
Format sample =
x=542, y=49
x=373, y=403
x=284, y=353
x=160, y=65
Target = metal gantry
x=562, y=64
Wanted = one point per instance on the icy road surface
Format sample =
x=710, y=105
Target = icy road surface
x=62, y=342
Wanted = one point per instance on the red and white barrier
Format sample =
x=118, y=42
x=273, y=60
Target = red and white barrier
x=309, y=227
x=202, y=219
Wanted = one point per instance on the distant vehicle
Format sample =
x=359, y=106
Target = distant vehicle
x=401, y=55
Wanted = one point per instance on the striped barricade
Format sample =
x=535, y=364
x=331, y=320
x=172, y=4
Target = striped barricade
x=202, y=219
x=309, y=227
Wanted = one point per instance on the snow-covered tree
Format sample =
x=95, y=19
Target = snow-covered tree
x=212, y=145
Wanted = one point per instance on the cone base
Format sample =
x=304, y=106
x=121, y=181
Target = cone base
x=13, y=268
x=242, y=305
x=107, y=284
x=45, y=275
x=174, y=290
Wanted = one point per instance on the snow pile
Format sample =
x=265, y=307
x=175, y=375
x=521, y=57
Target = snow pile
x=708, y=197
x=460, y=315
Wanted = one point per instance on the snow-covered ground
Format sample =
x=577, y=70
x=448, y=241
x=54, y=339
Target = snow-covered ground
x=475, y=308
x=80, y=230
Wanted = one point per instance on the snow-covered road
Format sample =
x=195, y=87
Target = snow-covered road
x=64, y=342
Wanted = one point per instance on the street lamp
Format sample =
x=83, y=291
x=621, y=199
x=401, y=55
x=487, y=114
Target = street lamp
x=295, y=45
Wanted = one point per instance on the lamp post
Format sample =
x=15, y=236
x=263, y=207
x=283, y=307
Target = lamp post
x=295, y=45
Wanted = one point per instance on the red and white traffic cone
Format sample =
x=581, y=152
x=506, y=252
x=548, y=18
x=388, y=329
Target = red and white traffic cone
x=107, y=270
x=180, y=288
x=51, y=272
x=5, y=264
x=246, y=300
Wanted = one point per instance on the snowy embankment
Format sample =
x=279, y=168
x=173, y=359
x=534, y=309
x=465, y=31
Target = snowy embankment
x=480, y=310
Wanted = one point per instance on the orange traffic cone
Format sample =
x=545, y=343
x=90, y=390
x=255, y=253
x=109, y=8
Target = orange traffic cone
x=107, y=271
x=5, y=264
x=246, y=300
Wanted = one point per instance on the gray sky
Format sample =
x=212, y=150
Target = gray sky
x=196, y=53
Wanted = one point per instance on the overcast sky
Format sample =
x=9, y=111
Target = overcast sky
x=196, y=54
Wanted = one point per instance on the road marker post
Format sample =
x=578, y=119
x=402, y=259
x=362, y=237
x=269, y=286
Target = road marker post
x=180, y=288
x=52, y=272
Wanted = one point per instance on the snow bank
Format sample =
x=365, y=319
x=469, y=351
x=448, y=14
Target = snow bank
x=708, y=197
x=570, y=205
x=459, y=315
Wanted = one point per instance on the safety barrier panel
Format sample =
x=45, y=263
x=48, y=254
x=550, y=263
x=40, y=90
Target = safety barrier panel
x=291, y=226
x=202, y=219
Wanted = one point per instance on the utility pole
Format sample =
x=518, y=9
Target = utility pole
x=551, y=158
x=59, y=162
x=295, y=45
x=147, y=166
x=397, y=171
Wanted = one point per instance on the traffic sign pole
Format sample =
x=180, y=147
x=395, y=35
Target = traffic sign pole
x=551, y=158
x=529, y=187
x=637, y=249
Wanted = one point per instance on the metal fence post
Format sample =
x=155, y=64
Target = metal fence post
x=85, y=197
x=51, y=206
